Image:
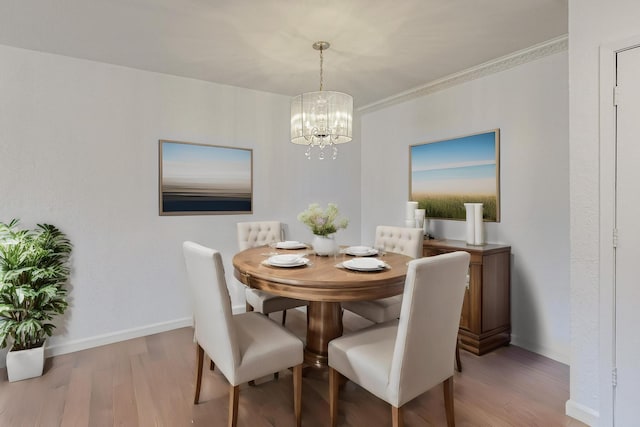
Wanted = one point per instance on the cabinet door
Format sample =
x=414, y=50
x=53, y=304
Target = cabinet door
x=465, y=315
x=494, y=298
x=473, y=296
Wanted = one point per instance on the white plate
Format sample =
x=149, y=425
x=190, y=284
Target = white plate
x=290, y=244
x=287, y=260
x=364, y=264
x=361, y=251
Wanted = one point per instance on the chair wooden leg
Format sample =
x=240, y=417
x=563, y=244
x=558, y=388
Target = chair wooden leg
x=212, y=366
x=397, y=419
x=276, y=377
x=297, y=394
x=448, y=401
x=334, y=389
x=284, y=316
x=458, y=362
x=233, y=405
x=199, y=361
x=342, y=383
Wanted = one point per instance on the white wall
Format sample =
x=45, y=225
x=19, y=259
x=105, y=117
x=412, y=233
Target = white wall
x=592, y=23
x=79, y=149
x=529, y=103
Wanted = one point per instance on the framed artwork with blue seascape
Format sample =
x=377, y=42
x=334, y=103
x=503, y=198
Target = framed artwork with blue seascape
x=446, y=174
x=199, y=179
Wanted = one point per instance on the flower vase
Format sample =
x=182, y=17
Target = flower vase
x=324, y=245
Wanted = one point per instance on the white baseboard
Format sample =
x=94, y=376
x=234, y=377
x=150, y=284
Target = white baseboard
x=551, y=353
x=127, y=334
x=582, y=413
x=110, y=338
x=113, y=337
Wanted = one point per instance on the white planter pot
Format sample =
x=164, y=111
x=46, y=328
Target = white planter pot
x=25, y=364
x=324, y=245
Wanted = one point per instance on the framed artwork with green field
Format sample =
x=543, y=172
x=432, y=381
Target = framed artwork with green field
x=444, y=175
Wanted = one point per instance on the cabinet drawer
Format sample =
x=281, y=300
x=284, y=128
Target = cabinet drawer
x=435, y=251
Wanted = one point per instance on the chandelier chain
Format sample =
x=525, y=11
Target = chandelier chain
x=321, y=61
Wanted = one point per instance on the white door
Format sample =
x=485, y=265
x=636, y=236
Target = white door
x=627, y=253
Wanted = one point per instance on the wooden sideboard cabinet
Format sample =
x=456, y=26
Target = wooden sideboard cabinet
x=485, y=321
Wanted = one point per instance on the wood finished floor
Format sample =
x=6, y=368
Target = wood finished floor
x=149, y=382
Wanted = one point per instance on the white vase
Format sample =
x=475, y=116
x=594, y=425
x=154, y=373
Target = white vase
x=25, y=364
x=471, y=224
x=324, y=245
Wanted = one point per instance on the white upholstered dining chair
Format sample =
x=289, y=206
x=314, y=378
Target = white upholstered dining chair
x=245, y=346
x=259, y=233
x=407, y=241
x=403, y=358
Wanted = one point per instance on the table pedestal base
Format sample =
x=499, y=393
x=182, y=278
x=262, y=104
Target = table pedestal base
x=324, y=324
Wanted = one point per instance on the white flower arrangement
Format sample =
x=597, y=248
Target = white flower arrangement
x=323, y=222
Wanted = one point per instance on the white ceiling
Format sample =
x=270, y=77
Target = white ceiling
x=378, y=48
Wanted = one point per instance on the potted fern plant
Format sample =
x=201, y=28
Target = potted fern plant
x=34, y=270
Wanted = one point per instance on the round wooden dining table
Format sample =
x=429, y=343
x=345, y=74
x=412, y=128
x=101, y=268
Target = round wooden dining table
x=324, y=283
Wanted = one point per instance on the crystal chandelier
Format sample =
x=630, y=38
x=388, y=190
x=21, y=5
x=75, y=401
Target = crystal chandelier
x=321, y=119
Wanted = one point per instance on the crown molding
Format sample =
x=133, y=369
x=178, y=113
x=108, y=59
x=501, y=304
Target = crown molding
x=503, y=63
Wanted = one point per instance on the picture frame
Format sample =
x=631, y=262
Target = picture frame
x=445, y=174
x=202, y=179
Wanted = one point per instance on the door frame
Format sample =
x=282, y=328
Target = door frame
x=607, y=214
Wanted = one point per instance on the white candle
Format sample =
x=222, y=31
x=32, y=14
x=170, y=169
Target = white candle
x=411, y=210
